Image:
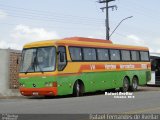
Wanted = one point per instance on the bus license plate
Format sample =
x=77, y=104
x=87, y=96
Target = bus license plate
x=35, y=93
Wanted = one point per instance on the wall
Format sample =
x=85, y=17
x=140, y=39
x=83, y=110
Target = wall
x=9, y=71
x=14, y=55
x=4, y=70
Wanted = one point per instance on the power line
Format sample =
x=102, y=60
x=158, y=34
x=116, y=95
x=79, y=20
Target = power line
x=43, y=16
x=47, y=13
x=143, y=12
x=53, y=26
x=38, y=15
x=42, y=19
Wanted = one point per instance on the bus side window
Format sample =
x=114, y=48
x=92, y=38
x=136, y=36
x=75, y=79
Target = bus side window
x=62, y=58
x=115, y=55
x=135, y=55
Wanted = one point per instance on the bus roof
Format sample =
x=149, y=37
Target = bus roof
x=82, y=39
x=85, y=42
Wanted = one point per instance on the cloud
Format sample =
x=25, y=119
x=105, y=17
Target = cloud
x=132, y=40
x=23, y=34
x=3, y=44
x=136, y=40
x=152, y=43
x=6, y=44
x=3, y=14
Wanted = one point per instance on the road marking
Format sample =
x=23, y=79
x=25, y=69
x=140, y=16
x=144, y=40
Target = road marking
x=142, y=110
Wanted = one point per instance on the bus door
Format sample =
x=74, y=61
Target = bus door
x=155, y=67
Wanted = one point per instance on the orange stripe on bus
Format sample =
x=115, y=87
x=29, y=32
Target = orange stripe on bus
x=93, y=68
x=68, y=74
x=118, y=67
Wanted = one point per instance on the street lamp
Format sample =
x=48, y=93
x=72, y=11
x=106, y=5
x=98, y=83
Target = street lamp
x=119, y=25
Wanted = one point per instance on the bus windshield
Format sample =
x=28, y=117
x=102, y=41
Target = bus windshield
x=38, y=60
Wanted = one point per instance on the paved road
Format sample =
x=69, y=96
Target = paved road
x=146, y=101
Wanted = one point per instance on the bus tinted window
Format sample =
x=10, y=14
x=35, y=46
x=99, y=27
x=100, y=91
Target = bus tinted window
x=125, y=55
x=75, y=53
x=89, y=54
x=115, y=55
x=62, y=58
x=102, y=54
x=135, y=55
x=144, y=56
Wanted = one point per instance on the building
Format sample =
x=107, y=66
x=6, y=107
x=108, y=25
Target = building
x=9, y=68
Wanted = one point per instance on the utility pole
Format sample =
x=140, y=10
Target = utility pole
x=107, y=15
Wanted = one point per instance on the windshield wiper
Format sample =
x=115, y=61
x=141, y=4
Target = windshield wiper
x=31, y=65
x=37, y=64
x=34, y=64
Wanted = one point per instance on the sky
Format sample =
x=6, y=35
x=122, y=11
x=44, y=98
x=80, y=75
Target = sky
x=24, y=21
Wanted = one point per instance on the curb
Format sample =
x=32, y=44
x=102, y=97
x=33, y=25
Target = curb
x=12, y=97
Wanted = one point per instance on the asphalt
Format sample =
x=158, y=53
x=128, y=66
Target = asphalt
x=146, y=100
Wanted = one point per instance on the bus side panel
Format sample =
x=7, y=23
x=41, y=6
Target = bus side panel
x=95, y=81
x=66, y=83
x=141, y=74
x=144, y=77
x=126, y=73
x=111, y=79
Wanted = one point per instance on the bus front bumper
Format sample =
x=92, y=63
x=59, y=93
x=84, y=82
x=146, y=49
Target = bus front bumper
x=50, y=91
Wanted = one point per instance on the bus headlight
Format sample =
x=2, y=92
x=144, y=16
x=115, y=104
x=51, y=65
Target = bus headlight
x=48, y=84
x=22, y=85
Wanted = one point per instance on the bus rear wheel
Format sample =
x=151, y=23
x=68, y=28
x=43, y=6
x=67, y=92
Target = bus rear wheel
x=134, y=85
x=78, y=89
x=125, y=87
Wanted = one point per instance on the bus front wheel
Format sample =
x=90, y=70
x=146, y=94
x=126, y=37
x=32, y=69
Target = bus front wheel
x=125, y=85
x=78, y=89
x=134, y=85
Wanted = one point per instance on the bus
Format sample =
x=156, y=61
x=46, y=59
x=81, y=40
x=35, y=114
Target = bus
x=80, y=65
x=155, y=69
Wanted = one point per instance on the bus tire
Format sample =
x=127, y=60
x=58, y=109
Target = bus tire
x=78, y=89
x=125, y=87
x=134, y=85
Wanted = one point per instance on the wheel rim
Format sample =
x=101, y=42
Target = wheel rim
x=135, y=84
x=126, y=85
x=77, y=89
